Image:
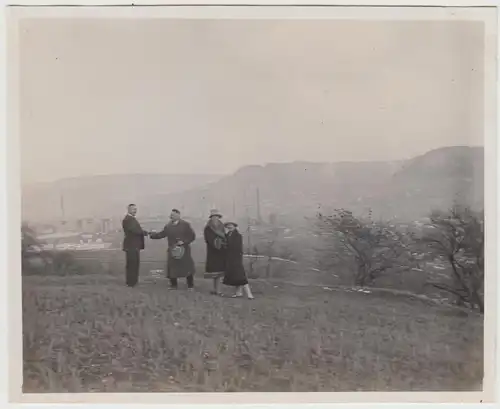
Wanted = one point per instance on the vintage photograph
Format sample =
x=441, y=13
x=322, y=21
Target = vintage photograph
x=252, y=204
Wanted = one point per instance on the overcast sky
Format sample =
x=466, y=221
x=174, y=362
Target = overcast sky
x=208, y=96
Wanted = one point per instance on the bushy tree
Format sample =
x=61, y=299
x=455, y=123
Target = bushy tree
x=457, y=236
x=28, y=239
x=373, y=247
x=48, y=262
x=29, y=245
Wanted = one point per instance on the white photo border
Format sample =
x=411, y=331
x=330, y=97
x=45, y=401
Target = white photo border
x=443, y=10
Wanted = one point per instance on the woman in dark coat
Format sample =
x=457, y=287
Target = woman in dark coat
x=215, y=237
x=235, y=275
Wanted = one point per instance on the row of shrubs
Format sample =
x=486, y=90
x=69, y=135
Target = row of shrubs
x=452, y=239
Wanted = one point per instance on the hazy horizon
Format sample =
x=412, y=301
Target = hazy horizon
x=115, y=97
x=221, y=174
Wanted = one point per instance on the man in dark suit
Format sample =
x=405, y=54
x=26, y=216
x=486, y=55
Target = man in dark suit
x=133, y=243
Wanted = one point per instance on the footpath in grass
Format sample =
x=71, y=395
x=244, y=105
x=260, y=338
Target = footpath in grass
x=88, y=334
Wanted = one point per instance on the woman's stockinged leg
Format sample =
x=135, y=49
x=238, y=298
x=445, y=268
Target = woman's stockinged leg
x=248, y=291
x=238, y=292
x=216, y=285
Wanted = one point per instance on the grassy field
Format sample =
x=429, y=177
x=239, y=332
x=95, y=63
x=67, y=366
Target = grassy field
x=93, y=334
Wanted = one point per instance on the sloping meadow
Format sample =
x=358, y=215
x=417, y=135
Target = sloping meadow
x=84, y=334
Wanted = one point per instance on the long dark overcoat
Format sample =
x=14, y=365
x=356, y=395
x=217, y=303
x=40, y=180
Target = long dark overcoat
x=216, y=251
x=234, y=274
x=184, y=267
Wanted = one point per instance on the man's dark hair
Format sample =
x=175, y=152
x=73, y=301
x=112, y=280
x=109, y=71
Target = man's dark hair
x=176, y=211
x=130, y=205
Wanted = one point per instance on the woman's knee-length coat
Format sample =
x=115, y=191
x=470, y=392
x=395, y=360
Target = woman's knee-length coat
x=216, y=251
x=234, y=274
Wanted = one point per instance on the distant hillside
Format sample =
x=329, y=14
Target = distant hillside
x=101, y=196
x=407, y=189
x=287, y=189
x=435, y=180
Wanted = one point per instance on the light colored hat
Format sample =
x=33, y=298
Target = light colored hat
x=231, y=224
x=215, y=212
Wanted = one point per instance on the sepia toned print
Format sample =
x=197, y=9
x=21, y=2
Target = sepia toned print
x=245, y=205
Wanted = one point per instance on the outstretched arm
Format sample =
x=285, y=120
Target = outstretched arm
x=160, y=235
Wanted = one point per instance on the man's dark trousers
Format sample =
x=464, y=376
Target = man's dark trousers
x=132, y=266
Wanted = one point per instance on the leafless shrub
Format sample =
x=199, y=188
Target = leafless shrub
x=457, y=236
x=372, y=247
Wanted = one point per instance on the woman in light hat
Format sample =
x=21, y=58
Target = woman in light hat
x=215, y=237
x=235, y=275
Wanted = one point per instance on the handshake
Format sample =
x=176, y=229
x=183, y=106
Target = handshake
x=153, y=232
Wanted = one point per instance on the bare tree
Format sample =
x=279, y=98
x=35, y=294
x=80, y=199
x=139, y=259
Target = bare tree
x=457, y=236
x=374, y=247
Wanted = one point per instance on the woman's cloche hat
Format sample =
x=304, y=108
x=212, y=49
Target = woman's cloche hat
x=215, y=212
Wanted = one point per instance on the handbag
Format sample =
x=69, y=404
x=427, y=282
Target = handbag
x=218, y=243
